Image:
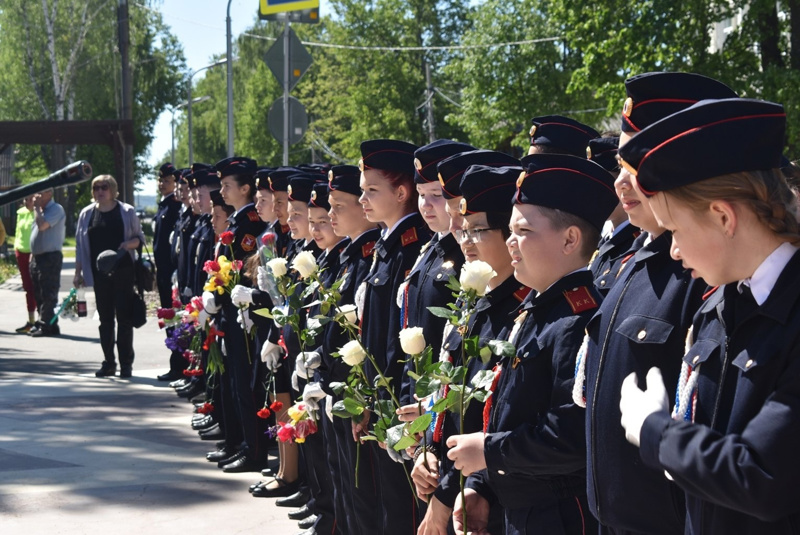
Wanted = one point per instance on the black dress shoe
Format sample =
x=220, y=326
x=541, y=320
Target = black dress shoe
x=254, y=486
x=190, y=391
x=300, y=514
x=222, y=453
x=170, y=376
x=125, y=372
x=203, y=423
x=199, y=398
x=45, y=330
x=268, y=472
x=222, y=463
x=107, y=369
x=179, y=382
x=212, y=433
x=297, y=499
x=308, y=522
x=285, y=489
x=245, y=464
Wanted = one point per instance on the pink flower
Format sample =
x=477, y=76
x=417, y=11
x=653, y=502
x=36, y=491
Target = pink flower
x=305, y=428
x=236, y=265
x=211, y=266
x=286, y=433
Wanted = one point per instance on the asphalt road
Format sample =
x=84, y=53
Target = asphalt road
x=82, y=455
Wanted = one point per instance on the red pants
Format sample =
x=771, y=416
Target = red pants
x=24, y=262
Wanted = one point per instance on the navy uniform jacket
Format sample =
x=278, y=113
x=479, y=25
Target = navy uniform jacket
x=642, y=323
x=610, y=255
x=492, y=320
x=182, y=253
x=395, y=254
x=246, y=227
x=201, y=245
x=165, y=220
x=440, y=259
x=283, y=237
x=739, y=462
x=535, y=452
x=354, y=263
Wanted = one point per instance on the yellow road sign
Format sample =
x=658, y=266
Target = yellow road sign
x=272, y=7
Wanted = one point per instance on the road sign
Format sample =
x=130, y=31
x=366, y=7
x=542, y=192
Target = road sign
x=299, y=59
x=291, y=10
x=298, y=120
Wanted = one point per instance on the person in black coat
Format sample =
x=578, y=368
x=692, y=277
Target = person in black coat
x=712, y=177
x=533, y=458
x=642, y=323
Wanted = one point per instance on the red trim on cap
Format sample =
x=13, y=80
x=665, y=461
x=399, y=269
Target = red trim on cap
x=695, y=129
x=628, y=120
x=609, y=188
x=561, y=124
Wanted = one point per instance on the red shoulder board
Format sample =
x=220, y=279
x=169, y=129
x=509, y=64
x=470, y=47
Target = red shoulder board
x=253, y=216
x=248, y=242
x=522, y=293
x=623, y=262
x=580, y=299
x=710, y=292
x=285, y=229
x=637, y=234
x=367, y=248
x=409, y=237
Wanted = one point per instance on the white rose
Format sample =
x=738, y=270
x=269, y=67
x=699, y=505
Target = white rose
x=352, y=353
x=476, y=275
x=277, y=266
x=305, y=264
x=349, y=313
x=412, y=340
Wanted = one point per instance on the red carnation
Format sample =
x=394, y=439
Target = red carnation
x=276, y=406
x=263, y=413
x=206, y=408
x=286, y=433
x=211, y=266
x=236, y=265
x=161, y=324
x=176, y=304
x=226, y=237
x=165, y=313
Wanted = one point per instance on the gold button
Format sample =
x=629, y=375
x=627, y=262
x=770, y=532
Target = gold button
x=749, y=363
x=642, y=334
x=602, y=283
x=696, y=359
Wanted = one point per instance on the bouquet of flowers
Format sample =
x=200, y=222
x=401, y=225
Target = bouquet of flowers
x=267, y=254
x=68, y=308
x=301, y=424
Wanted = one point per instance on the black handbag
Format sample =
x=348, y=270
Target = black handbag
x=142, y=277
x=138, y=310
x=145, y=271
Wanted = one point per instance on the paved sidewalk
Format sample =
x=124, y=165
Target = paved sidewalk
x=82, y=455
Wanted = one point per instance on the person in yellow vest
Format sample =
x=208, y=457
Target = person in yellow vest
x=22, y=250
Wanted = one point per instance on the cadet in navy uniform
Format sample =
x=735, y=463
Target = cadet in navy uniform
x=389, y=198
x=237, y=180
x=642, y=323
x=183, y=232
x=712, y=174
x=533, y=458
x=556, y=134
x=618, y=244
x=355, y=506
x=276, y=182
x=439, y=259
x=486, y=207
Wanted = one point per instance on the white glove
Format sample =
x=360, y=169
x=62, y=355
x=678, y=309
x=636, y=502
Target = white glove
x=271, y=355
x=397, y=456
x=243, y=319
x=312, y=324
x=636, y=405
x=242, y=295
x=202, y=318
x=312, y=393
x=307, y=361
x=263, y=279
x=210, y=303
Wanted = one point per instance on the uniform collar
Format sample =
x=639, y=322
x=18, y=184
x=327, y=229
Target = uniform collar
x=241, y=210
x=766, y=275
x=653, y=247
x=576, y=279
x=386, y=243
x=167, y=199
x=506, y=289
x=353, y=249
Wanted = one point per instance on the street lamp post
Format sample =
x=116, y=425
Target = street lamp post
x=189, y=103
x=229, y=72
x=186, y=104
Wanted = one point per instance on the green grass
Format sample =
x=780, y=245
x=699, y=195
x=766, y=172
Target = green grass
x=8, y=268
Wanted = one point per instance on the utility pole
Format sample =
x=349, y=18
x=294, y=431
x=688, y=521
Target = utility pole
x=429, y=98
x=127, y=97
x=286, y=62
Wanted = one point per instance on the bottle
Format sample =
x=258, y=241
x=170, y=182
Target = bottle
x=81, y=299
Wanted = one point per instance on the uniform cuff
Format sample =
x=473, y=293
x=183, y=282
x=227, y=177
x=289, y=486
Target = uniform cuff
x=650, y=438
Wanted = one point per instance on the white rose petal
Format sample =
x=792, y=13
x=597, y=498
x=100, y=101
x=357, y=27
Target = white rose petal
x=412, y=340
x=305, y=264
x=352, y=353
x=349, y=313
x=476, y=275
x=277, y=266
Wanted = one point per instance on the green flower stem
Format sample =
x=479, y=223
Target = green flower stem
x=246, y=337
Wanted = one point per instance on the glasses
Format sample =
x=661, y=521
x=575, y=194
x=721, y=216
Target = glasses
x=100, y=187
x=473, y=235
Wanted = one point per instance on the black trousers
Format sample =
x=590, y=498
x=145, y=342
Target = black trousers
x=45, y=272
x=114, y=296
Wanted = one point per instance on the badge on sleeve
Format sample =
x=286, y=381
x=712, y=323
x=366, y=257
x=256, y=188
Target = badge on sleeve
x=248, y=242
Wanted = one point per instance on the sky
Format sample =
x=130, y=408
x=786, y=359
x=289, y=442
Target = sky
x=200, y=27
